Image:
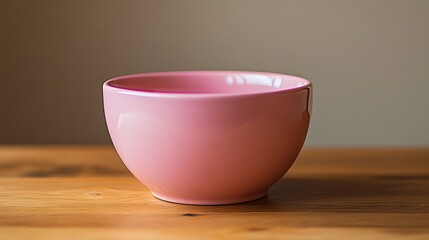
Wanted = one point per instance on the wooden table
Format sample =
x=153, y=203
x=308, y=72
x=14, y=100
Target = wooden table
x=84, y=192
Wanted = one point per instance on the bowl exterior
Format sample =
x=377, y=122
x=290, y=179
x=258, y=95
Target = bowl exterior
x=208, y=150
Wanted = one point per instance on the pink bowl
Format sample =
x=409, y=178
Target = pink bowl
x=208, y=137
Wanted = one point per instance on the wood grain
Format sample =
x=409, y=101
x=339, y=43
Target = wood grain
x=82, y=192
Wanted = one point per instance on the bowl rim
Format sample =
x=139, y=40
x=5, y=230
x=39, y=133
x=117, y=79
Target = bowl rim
x=138, y=92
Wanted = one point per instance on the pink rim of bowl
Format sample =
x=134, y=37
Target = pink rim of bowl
x=208, y=137
x=215, y=84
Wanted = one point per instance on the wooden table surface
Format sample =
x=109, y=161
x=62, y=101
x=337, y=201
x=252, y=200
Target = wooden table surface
x=84, y=192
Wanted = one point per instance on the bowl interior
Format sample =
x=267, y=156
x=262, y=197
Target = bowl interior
x=208, y=82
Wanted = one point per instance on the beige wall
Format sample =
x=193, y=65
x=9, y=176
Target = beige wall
x=368, y=60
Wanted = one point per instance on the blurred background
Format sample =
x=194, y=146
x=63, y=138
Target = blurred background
x=368, y=61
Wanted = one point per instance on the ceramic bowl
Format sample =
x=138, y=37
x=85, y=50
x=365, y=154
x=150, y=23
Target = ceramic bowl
x=208, y=137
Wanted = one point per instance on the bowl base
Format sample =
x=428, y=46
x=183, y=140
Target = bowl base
x=210, y=202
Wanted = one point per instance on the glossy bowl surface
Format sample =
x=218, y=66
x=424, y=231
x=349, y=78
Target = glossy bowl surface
x=208, y=137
